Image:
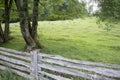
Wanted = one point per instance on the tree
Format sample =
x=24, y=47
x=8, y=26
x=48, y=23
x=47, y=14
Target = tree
x=61, y=9
x=29, y=32
x=108, y=13
x=8, y=4
x=109, y=10
x=55, y=10
x=4, y=33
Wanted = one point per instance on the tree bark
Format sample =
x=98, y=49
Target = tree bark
x=1, y=34
x=35, y=23
x=35, y=18
x=8, y=5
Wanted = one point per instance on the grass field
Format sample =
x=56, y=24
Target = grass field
x=77, y=39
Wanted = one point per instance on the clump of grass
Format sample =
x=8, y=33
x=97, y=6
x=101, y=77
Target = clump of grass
x=8, y=75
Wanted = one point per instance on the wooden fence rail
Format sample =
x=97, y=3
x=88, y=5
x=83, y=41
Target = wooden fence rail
x=40, y=66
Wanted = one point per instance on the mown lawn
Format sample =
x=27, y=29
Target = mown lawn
x=80, y=39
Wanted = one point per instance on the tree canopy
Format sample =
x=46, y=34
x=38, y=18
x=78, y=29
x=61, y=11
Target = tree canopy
x=61, y=9
x=52, y=10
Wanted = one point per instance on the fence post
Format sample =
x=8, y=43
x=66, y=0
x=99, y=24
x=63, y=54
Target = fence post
x=34, y=65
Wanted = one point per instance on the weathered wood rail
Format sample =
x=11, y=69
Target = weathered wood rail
x=39, y=66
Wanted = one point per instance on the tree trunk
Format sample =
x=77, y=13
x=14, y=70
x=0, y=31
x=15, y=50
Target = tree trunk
x=25, y=25
x=4, y=34
x=35, y=23
x=35, y=19
x=8, y=5
x=1, y=34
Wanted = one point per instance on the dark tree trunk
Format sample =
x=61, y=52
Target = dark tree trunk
x=4, y=34
x=35, y=23
x=35, y=19
x=6, y=18
x=1, y=34
x=8, y=5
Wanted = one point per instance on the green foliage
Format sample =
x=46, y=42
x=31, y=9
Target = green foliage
x=109, y=10
x=8, y=75
x=51, y=10
x=61, y=9
x=13, y=12
x=1, y=9
x=109, y=13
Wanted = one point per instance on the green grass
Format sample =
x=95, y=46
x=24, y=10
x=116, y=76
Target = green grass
x=80, y=39
x=8, y=75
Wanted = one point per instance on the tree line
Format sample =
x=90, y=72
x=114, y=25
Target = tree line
x=54, y=10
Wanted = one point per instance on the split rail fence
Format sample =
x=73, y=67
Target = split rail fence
x=40, y=66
